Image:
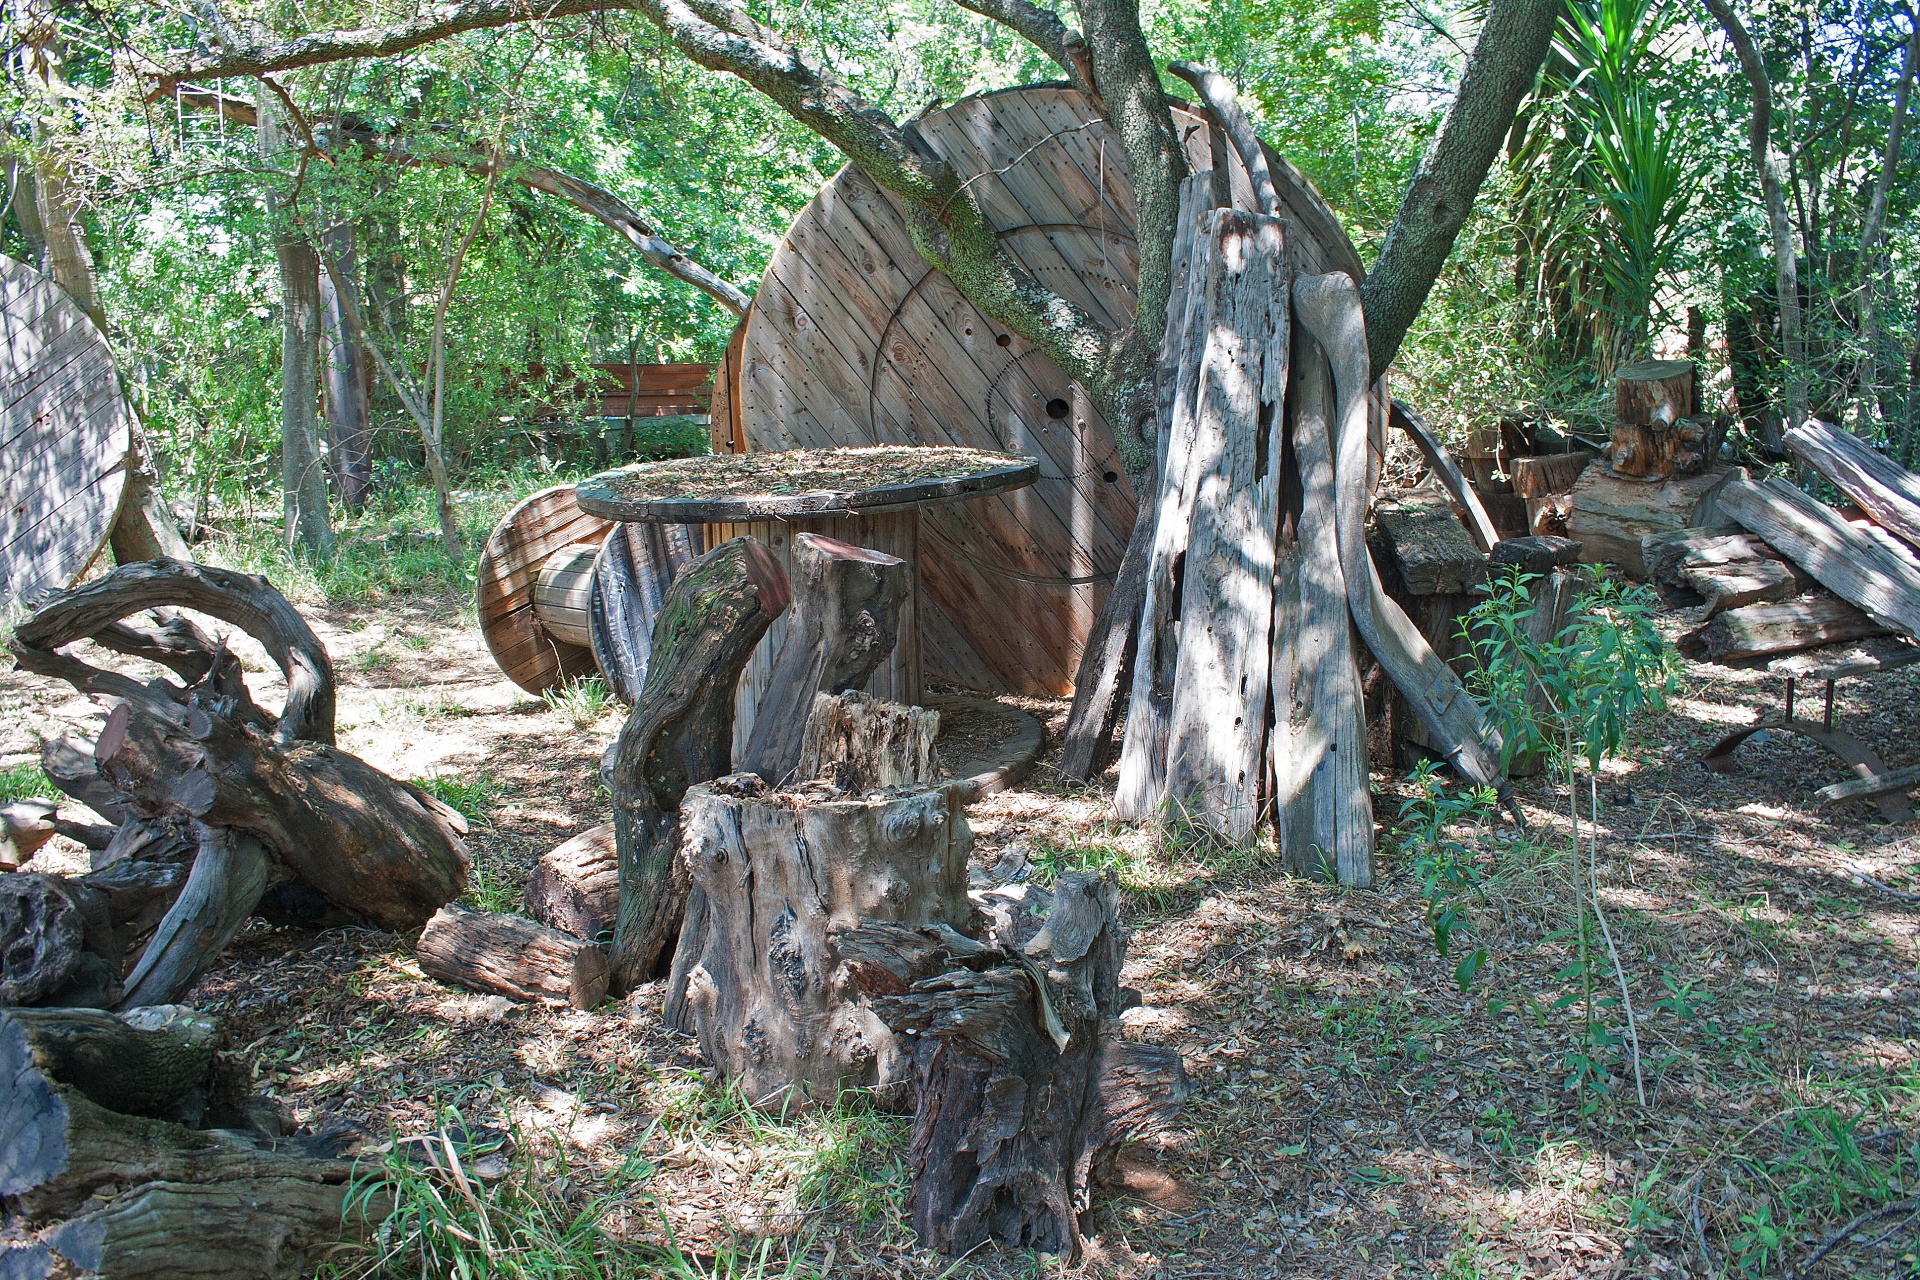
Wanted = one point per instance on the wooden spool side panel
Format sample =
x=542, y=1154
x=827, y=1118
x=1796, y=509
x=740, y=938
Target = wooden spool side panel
x=898, y=679
x=509, y=566
x=64, y=434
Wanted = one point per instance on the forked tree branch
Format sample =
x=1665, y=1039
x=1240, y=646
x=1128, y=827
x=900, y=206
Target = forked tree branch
x=1043, y=29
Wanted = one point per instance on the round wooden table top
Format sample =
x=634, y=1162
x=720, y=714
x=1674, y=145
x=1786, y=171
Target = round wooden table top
x=801, y=482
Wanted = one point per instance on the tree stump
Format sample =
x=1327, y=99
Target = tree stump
x=1024, y=1083
x=576, y=885
x=763, y=986
x=261, y=801
x=861, y=742
x=680, y=732
x=1651, y=402
x=512, y=956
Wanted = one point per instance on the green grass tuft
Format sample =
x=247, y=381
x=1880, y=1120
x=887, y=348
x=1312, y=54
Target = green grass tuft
x=474, y=794
x=26, y=781
x=580, y=702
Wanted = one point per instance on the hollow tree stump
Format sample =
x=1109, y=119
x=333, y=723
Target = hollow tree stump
x=576, y=885
x=761, y=983
x=1024, y=1083
x=680, y=732
x=512, y=956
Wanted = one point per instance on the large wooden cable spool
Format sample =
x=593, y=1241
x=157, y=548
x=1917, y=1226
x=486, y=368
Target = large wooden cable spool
x=65, y=430
x=855, y=339
x=510, y=564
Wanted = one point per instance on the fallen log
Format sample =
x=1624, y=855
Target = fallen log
x=1023, y=1083
x=1737, y=583
x=679, y=733
x=1844, y=560
x=1884, y=489
x=1760, y=630
x=511, y=956
x=1665, y=555
x=1873, y=788
x=575, y=886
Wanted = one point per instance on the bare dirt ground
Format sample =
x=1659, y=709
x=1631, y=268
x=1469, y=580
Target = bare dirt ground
x=1355, y=1114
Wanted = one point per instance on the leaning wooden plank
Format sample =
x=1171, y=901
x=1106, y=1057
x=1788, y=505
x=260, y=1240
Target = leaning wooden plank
x=1441, y=463
x=1329, y=307
x=1869, y=788
x=1322, y=814
x=1884, y=489
x=1760, y=630
x=1843, y=559
x=1218, y=725
x=1143, y=755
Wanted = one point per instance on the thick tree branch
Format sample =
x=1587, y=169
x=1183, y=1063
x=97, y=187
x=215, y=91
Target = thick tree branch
x=1043, y=29
x=1771, y=166
x=1506, y=60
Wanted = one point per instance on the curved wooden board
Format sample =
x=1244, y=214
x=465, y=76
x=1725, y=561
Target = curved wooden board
x=636, y=565
x=854, y=339
x=503, y=588
x=64, y=434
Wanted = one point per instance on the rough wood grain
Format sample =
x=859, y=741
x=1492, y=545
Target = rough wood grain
x=1869, y=788
x=1653, y=391
x=1663, y=555
x=575, y=886
x=1555, y=473
x=1884, y=489
x=141, y=1061
x=859, y=743
x=636, y=565
x=512, y=956
x=1612, y=516
x=1761, y=630
x=1740, y=582
x=1843, y=559
x=1217, y=725
x=1433, y=553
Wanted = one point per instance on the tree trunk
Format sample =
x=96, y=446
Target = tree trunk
x=349, y=416
x=680, y=733
x=512, y=956
x=843, y=624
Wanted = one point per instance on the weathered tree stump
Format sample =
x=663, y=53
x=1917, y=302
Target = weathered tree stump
x=90, y=1189
x=860, y=742
x=762, y=984
x=680, y=732
x=1024, y=1083
x=576, y=885
x=845, y=620
x=260, y=800
x=511, y=956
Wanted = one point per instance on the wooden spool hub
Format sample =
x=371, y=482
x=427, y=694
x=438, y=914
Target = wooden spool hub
x=854, y=339
x=560, y=593
x=64, y=436
x=510, y=566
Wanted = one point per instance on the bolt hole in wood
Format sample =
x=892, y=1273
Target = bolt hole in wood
x=1058, y=409
x=1005, y=340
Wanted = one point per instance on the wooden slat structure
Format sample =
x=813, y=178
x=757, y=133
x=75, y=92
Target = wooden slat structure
x=509, y=566
x=650, y=390
x=854, y=339
x=65, y=430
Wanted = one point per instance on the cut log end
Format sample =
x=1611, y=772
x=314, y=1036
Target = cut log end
x=512, y=956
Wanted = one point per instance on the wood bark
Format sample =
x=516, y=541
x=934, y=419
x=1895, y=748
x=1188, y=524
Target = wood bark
x=1884, y=489
x=1023, y=1082
x=1653, y=392
x=93, y=1191
x=141, y=1062
x=1762, y=630
x=859, y=742
x=680, y=733
x=349, y=414
x=1323, y=814
x=68, y=941
x=844, y=622
x=1612, y=516
x=766, y=989
x=512, y=956
x=1842, y=558
x=1328, y=306
x=576, y=885
x=1554, y=473
x=1217, y=723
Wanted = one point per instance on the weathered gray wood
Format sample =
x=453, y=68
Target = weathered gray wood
x=636, y=565
x=1740, y=582
x=1441, y=463
x=1884, y=489
x=1329, y=306
x=1432, y=551
x=1844, y=560
x=1869, y=788
x=1843, y=661
x=1224, y=105
x=842, y=624
x=679, y=733
x=1217, y=726
x=765, y=988
x=859, y=742
x=1143, y=755
x=575, y=886
x=230, y=872
x=1549, y=596
x=1663, y=554
x=1612, y=516
x=1323, y=816
x=1759, y=630
x=511, y=956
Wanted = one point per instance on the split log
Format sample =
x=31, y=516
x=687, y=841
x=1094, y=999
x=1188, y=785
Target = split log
x=1740, y=583
x=1844, y=560
x=1612, y=516
x=844, y=621
x=1884, y=489
x=1329, y=307
x=1665, y=555
x=93, y=1191
x=1323, y=817
x=1433, y=572
x=1143, y=754
x=765, y=988
x=1761, y=630
x=511, y=956
x=1216, y=730
x=1441, y=463
x=860, y=742
x=1555, y=473
x=680, y=733
x=575, y=886
x=1023, y=1083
